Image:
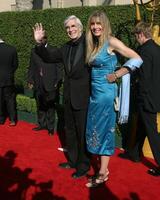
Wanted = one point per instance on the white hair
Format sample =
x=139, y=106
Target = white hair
x=78, y=21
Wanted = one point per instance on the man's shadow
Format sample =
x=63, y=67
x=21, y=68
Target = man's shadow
x=102, y=193
x=44, y=192
x=15, y=184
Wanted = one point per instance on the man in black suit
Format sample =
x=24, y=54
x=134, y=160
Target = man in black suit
x=44, y=78
x=148, y=96
x=76, y=91
x=8, y=66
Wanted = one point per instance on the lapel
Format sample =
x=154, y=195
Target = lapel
x=78, y=56
x=67, y=58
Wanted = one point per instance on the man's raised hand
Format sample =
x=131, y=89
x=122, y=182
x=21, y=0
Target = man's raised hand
x=38, y=32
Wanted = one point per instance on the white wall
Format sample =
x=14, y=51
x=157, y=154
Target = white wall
x=122, y=2
x=6, y=5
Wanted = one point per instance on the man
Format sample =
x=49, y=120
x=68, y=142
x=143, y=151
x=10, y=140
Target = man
x=76, y=91
x=148, y=96
x=8, y=66
x=44, y=77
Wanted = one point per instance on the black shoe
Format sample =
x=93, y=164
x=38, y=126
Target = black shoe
x=126, y=155
x=154, y=172
x=38, y=128
x=79, y=174
x=65, y=165
x=50, y=133
x=12, y=123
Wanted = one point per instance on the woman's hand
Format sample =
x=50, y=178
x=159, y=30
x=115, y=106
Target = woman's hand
x=39, y=32
x=112, y=77
x=117, y=74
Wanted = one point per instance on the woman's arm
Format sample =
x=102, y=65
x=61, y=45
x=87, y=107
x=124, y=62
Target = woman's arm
x=120, y=47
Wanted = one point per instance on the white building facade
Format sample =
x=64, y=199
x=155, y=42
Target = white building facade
x=10, y=5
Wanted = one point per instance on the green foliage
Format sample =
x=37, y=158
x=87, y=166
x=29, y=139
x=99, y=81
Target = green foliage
x=16, y=28
x=26, y=104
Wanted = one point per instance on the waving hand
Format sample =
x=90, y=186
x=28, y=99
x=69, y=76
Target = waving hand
x=38, y=32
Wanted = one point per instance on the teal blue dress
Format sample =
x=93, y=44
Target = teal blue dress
x=101, y=118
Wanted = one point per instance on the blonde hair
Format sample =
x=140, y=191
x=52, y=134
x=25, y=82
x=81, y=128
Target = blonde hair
x=94, y=44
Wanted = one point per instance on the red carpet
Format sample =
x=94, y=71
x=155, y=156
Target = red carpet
x=29, y=171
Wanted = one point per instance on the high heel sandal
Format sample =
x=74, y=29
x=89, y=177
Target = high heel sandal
x=93, y=177
x=97, y=180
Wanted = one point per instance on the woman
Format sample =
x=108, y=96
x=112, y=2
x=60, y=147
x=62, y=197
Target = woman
x=101, y=47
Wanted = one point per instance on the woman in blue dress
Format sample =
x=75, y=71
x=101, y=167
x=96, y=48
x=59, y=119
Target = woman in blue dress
x=100, y=55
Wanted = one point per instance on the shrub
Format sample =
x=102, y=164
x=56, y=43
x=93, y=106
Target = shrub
x=16, y=28
x=26, y=104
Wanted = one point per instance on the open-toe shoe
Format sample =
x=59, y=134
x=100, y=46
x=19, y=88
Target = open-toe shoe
x=97, y=180
x=93, y=177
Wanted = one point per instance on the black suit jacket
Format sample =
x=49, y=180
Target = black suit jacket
x=8, y=64
x=149, y=76
x=76, y=81
x=51, y=72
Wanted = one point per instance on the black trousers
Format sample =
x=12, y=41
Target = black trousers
x=7, y=103
x=147, y=126
x=46, y=108
x=75, y=127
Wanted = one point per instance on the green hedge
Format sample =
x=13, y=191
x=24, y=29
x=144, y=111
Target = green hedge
x=16, y=28
x=26, y=104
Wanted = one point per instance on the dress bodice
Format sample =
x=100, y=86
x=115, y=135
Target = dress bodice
x=104, y=60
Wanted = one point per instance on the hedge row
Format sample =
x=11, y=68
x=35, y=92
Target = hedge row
x=26, y=104
x=16, y=28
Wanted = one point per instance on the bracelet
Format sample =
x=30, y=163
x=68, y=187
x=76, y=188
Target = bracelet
x=115, y=74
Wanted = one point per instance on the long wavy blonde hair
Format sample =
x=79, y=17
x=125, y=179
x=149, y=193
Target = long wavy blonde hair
x=93, y=44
